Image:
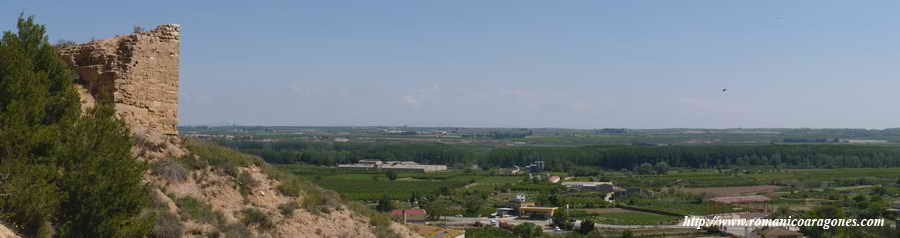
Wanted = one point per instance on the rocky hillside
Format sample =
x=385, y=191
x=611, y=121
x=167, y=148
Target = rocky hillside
x=200, y=189
x=7, y=233
x=214, y=190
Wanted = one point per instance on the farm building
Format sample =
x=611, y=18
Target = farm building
x=521, y=207
x=521, y=204
x=398, y=165
x=633, y=192
x=410, y=215
x=591, y=186
x=855, y=141
x=539, y=212
x=740, y=199
x=520, y=201
x=504, y=212
x=553, y=179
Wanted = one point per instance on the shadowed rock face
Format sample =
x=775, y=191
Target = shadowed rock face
x=139, y=73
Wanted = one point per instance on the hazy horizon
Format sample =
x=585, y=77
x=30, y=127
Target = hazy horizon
x=564, y=128
x=527, y=64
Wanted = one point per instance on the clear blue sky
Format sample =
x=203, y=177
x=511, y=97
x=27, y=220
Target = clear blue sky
x=576, y=64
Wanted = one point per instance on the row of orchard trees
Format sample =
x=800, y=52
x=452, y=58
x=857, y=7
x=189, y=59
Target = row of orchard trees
x=63, y=172
x=699, y=156
x=572, y=158
x=330, y=154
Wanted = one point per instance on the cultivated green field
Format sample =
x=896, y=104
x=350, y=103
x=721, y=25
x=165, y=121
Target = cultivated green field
x=619, y=216
x=749, y=177
x=375, y=184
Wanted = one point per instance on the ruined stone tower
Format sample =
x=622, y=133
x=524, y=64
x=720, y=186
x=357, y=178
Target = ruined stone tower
x=139, y=73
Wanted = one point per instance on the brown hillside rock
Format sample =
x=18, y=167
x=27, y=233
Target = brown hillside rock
x=7, y=233
x=222, y=193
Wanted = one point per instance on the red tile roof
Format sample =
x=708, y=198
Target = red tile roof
x=399, y=212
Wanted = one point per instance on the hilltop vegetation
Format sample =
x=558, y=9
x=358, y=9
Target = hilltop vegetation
x=63, y=172
x=68, y=171
x=220, y=192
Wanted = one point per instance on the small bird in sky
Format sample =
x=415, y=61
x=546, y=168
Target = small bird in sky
x=724, y=90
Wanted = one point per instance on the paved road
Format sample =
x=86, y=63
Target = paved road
x=467, y=221
x=598, y=225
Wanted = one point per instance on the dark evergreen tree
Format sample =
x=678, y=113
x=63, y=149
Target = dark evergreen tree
x=385, y=204
x=587, y=226
x=59, y=168
x=528, y=230
x=37, y=101
x=103, y=181
x=392, y=175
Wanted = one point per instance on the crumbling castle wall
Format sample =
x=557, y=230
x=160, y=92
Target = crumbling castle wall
x=139, y=74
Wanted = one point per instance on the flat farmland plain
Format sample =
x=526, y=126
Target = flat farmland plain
x=732, y=191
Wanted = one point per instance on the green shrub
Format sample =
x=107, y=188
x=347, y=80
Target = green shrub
x=224, y=159
x=290, y=188
x=276, y=173
x=380, y=222
x=35, y=200
x=199, y=211
x=103, y=181
x=246, y=183
x=253, y=216
x=287, y=209
x=318, y=201
x=312, y=202
x=192, y=163
x=489, y=232
x=235, y=230
x=528, y=230
x=170, y=170
x=167, y=226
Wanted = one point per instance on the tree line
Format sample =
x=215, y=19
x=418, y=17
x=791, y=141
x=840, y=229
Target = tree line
x=330, y=154
x=700, y=156
x=576, y=159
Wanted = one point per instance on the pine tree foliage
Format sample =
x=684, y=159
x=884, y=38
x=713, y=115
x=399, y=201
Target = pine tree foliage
x=61, y=172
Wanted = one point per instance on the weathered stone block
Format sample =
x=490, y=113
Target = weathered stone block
x=137, y=72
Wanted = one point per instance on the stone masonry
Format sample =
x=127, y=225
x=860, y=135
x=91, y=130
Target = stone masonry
x=139, y=73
